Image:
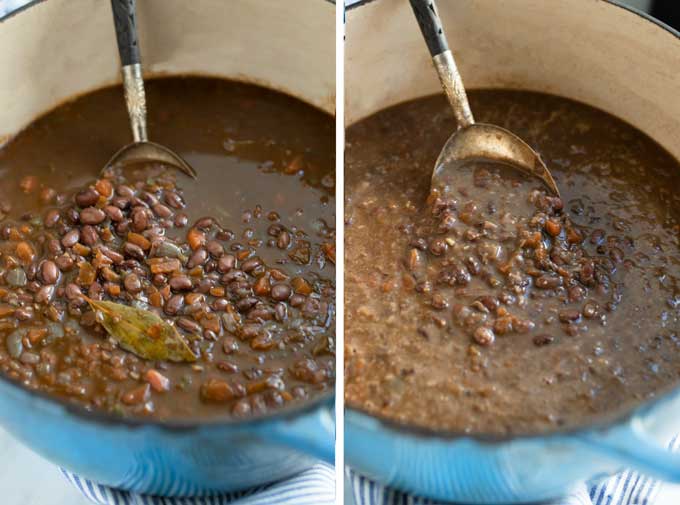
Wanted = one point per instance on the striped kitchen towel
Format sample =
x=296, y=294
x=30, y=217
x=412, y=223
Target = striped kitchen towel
x=625, y=488
x=315, y=486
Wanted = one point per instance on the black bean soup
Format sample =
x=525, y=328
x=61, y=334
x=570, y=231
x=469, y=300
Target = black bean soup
x=239, y=262
x=495, y=306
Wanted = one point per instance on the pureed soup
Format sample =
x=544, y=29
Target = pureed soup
x=144, y=292
x=496, y=307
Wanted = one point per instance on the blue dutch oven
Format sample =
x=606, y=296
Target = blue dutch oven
x=170, y=459
x=597, y=52
x=208, y=37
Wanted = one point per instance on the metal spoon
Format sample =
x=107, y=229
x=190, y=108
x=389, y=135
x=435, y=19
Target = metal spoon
x=473, y=141
x=141, y=150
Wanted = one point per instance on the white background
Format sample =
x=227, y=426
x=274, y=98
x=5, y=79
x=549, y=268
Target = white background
x=28, y=479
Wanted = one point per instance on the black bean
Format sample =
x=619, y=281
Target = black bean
x=123, y=227
x=51, y=218
x=113, y=212
x=283, y=241
x=31, y=271
x=49, y=272
x=260, y=314
x=198, y=257
x=72, y=291
x=543, y=339
x=215, y=249
x=275, y=230
x=89, y=235
x=251, y=264
x=125, y=191
x=280, y=292
x=181, y=220
x=484, y=336
x=138, y=202
x=149, y=199
x=54, y=247
x=86, y=198
x=204, y=223
x=72, y=215
x=462, y=275
x=174, y=304
x=224, y=235
x=576, y=293
x=162, y=211
x=569, y=315
x=438, y=246
x=95, y=290
x=246, y=304
x=226, y=263
x=548, y=282
x=133, y=251
x=188, y=325
x=490, y=302
x=281, y=311
x=180, y=283
x=439, y=302
x=64, y=262
x=71, y=238
x=590, y=310
x=140, y=220
x=174, y=200
x=120, y=202
x=114, y=256
x=132, y=283
x=44, y=294
x=92, y=215
x=473, y=265
x=220, y=304
x=296, y=300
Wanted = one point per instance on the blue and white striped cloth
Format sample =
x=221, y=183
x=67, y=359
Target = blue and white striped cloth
x=315, y=486
x=625, y=488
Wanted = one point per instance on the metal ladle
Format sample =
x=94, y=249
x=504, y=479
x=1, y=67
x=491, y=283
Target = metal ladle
x=472, y=142
x=141, y=150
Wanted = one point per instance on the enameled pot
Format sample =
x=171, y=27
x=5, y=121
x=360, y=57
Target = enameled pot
x=593, y=51
x=56, y=49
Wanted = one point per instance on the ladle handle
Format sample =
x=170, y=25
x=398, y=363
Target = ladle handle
x=125, y=21
x=433, y=33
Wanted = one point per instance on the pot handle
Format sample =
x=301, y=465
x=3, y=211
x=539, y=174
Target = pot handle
x=634, y=446
x=125, y=20
x=312, y=433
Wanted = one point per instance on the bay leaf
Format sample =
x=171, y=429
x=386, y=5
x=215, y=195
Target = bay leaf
x=143, y=332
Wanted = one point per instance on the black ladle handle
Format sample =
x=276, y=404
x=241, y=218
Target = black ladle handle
x=430, y=25
x=125, y=20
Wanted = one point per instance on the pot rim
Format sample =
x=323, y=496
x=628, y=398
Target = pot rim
x=602, y=422
x=104, y=418
x=31, y=3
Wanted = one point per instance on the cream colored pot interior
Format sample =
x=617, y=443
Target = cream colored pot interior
x=587, y=50
x=60, y=48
